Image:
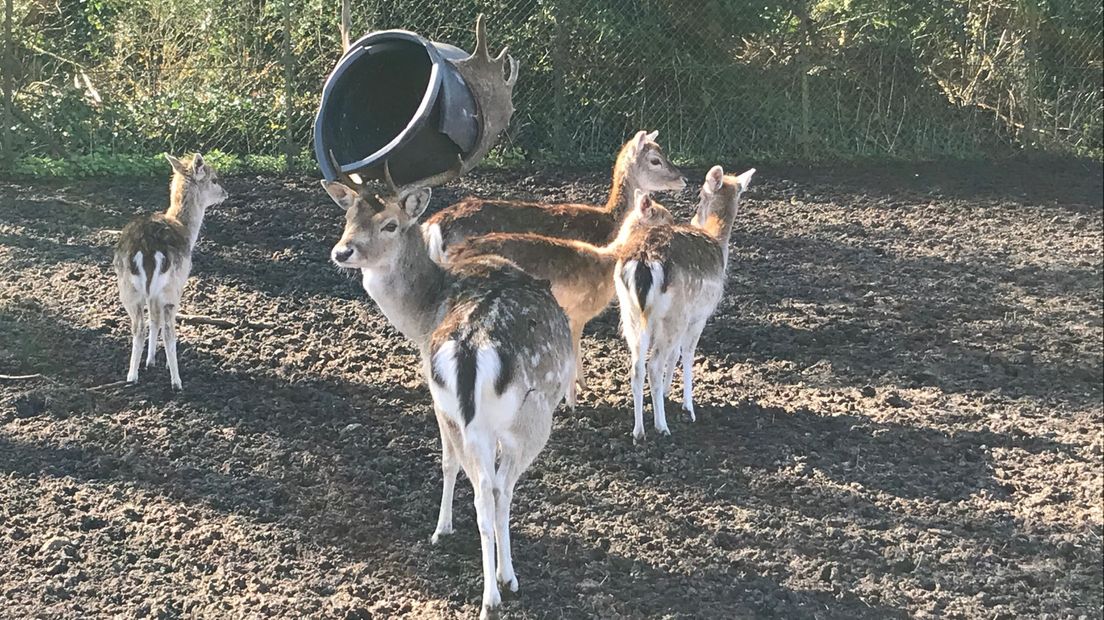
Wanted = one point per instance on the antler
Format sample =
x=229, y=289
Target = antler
x=341, y=174
x=431, y=181
x=387, y=180
x=484, y=76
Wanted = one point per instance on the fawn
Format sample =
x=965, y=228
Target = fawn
x=669, y=281
x=640, y=165
x=581, y=274
x=154, y=257
x=495, y=349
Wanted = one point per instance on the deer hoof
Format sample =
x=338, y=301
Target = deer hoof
x=441, y=531
x=509, y=581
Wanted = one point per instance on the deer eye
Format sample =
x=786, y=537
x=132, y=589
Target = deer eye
x=389, y=227
x=655, y=162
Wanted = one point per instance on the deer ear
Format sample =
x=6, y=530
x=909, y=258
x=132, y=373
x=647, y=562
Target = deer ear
x=745, y=179
x=639, y=140
x=176, y=164
x=643, y=201
x=199, y=167
x=714, y=179
x=414, y=203
x=341, y=194
x=652, y=136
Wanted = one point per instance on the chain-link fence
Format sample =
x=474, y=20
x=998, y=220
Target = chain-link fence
x=810, y=79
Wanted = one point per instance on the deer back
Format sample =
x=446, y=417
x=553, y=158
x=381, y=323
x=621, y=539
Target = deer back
x=682, y=252
x=547, y=258
x=473, y=217
x=491, y=305
x=147, y=236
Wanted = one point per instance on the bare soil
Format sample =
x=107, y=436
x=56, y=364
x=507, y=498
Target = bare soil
x=899, y=415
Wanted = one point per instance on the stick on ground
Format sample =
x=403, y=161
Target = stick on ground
x=121, y=383
x=199, y=319
x=21, y=377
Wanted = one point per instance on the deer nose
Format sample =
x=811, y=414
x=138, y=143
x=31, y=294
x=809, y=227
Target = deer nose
x=341, y=255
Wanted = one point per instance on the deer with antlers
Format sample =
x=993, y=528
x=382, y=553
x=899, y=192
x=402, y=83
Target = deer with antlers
x=153, y=259
x=641, y=165
x=495, y=346
x=669, y=281
x=581, y=274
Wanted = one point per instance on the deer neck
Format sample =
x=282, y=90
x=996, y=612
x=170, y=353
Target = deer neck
x=624, y=233
x=410, y=289
x=720, y=229
x=185, y=207
x=622, y=187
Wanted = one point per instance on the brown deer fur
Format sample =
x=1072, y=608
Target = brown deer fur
x=581, y=274
x=669, y=280
x=153, y=258
x=495, y=349
x=640, y=165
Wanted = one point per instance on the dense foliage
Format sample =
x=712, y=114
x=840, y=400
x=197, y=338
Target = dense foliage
x=804, y=79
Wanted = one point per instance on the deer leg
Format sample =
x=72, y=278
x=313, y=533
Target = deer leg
x=689, y=347
x=137, y=326
x=481, y=451
x=155, y=321
x=577, y=338
x=579, y=383
x=669, y=369
x=450, y=466
x=168, y=328
x=658, y=388
x=505, y=479
x=688, y=376
x=638, y=353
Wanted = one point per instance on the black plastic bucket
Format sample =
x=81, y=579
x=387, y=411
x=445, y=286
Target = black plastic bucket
x=395, y=97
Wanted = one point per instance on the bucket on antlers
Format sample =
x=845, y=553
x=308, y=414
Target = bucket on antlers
x=416, y=105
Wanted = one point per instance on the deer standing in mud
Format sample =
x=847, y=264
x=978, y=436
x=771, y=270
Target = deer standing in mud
x=495, y=348
x=640, y=165
x=581, y=274
x=669, y=281
x=494, y=344
x=153, y=258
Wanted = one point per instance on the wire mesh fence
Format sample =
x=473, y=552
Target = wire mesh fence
x=811, y=79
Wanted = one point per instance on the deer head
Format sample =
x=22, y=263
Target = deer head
x=493, y=90
x=378, y=224
x=720, y=197
x=647, y=212
x=197, y=180
x=649, y=167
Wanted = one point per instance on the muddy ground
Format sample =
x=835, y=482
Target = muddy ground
x=899, y=415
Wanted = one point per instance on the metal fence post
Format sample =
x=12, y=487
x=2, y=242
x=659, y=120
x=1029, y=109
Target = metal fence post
x=288, y=61
x=559, y=59
x=8, y=66
x=1031, y=91
x=806, y=139
x=803, y=67
x=344, y=26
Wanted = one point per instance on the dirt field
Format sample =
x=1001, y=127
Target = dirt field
x=899, y=415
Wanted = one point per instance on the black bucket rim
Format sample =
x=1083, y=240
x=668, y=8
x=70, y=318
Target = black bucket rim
x=355, y=51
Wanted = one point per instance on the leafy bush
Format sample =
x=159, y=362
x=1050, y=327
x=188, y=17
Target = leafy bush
x=816, y=78
x=95, y=165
